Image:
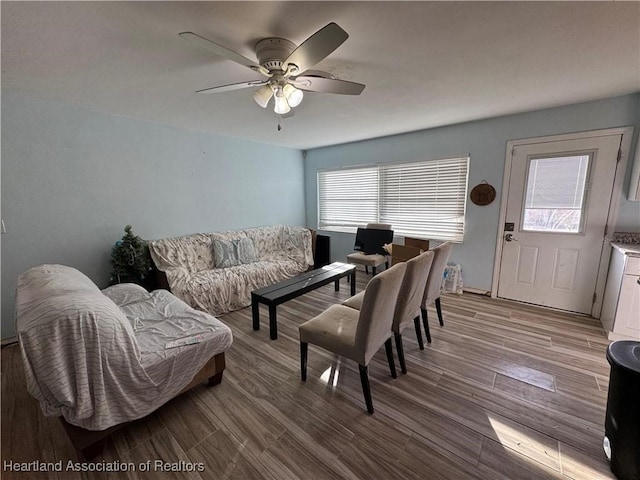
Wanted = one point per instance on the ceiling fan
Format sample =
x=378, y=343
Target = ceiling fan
x=287, y=68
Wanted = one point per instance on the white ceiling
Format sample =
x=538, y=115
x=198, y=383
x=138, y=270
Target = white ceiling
x=425, y=64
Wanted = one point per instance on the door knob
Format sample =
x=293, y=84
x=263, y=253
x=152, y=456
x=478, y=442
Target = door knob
x=509, y=238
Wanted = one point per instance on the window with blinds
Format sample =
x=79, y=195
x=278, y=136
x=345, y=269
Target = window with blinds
x=556, y=191
x=347, y=198
x=420, y=199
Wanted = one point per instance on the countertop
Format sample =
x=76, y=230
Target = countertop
x=631, y=249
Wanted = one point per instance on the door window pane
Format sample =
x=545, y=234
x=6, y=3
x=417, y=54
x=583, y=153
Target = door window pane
x=555, y=194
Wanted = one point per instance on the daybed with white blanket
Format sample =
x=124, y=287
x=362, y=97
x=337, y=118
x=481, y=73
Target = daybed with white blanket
x=216, y=272
x=99, y=359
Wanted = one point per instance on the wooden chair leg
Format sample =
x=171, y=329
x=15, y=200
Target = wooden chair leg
x=88, y=443
x=366, y=388
x=93, y=450
x=215, y=379
x=373, y=269
x=400, y=349
x=386, y=264
x=439, y=311
x=366, y=269
x=392, y=364
x=425, y=322
x=304, y=348
x=416, y=322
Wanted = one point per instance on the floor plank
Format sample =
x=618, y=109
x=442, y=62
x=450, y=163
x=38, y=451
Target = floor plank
x=504, y=390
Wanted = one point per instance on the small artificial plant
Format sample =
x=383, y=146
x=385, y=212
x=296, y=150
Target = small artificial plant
x=130, y=259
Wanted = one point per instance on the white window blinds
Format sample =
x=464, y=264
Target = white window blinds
x=421, y=199
x=425, y=199
x=347, y=198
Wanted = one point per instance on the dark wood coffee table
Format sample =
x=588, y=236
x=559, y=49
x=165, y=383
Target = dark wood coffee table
x=280, y=292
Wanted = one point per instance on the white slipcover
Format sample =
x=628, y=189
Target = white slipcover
x=188, y=263
x=98, y=364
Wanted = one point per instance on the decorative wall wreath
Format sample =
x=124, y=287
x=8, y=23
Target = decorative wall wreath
x=483, y=193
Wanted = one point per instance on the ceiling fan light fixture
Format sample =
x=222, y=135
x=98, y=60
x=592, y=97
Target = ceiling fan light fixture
x=263, y=95
x=293, y=95
x=287, y=66
x=282, y=106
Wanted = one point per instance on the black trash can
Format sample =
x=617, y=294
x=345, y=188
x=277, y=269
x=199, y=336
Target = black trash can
x=622, y=423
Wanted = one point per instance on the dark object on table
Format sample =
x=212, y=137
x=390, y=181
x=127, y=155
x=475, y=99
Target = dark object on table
x=622, y=422
x=371, y=240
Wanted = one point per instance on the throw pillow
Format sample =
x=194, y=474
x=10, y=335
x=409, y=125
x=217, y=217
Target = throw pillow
x=225, y=253
x=229, y=253
x=246, y=251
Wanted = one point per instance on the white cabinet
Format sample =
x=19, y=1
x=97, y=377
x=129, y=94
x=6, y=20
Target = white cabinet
x=634, y=184
x=620, y=315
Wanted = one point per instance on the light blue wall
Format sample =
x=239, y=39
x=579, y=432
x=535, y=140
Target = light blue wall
x=72, y=179
x=485, y=141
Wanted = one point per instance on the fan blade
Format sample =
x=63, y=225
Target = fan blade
x=223, y=51
x=317, y=47
x=233, y=86
x=327, y=85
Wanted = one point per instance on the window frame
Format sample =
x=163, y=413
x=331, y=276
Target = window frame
x=590, y=154
x=383, y=200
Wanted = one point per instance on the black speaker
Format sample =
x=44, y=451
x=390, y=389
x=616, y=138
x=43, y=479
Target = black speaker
x=323, y=251
x=622, y=422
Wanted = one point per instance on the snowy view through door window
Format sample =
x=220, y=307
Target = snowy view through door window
x=555, y=194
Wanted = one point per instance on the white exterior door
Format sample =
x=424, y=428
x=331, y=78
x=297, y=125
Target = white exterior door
x=557, y=207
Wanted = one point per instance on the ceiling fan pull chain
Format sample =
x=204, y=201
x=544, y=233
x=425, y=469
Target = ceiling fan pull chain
x=279, y=125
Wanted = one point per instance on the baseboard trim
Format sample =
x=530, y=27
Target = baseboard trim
x=5, y=342
x=477, y=291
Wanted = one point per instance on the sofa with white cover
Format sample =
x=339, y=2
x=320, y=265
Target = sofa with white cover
x=101, y=358
x=216, y=272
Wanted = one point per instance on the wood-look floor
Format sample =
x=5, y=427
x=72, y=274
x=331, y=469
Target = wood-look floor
x=505, y=391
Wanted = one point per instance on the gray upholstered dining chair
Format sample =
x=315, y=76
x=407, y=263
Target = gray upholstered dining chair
x=409, y=301
x=357, y=335
x=434, y=284
x=373, y=260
